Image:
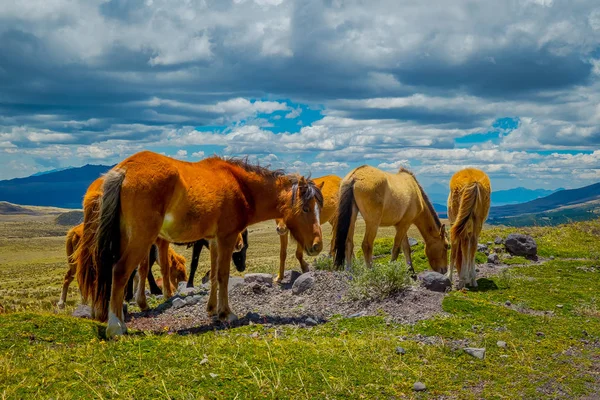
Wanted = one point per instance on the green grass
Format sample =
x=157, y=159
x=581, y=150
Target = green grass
x=378, y=282
x=552, y=331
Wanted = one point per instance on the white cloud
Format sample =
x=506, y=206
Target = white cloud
x=198, y=154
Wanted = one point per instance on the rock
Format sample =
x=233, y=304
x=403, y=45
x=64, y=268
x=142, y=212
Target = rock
x=412, y=242
x=552, y=257
x=178, y=303
x=303, y=283
x=490, y=243
x=266, y=279
x=501, y=344
x=358, y=314
x=257, y=288
x=419, y=387
x=482, y=248
x=187, y=291
x=235, y=281
x=400, y=350
x=213, y=375
x=475, y=352
x=508, y=303
x=191, y=300
x=498, y=240
x=521, y=245
x=498, y=250
x=310, y=322
x=83, y=311
x=204, y=360
x=540, y=334
x=493, y=259
x=559, y=306
x=434, y=281
x=252, y=316
x=291, y=275
x=181, y=286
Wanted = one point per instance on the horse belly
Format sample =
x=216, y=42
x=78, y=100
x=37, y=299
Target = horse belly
x=185, y=229
x=397, y=208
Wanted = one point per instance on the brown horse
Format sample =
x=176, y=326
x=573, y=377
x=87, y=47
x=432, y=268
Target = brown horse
x=468, y=207
x=176, y=264
x=150, y=196
x=385, y=199
x=330, y=187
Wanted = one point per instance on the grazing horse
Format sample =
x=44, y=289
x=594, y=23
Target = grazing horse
x=468, y=207
x=176, y=262
x=330, y=187
x=386, y=199
x=238, y=257
x=149, y=196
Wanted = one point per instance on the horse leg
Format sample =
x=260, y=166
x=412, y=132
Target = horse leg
x=472, y=272
x=69, y=276
x=300, y=257
x=462, y=264
x=225, y=250
x=283, y=244
x=154, y=289
x=163, y=260
x=350, y=238
x=332, y=243
x=129, y=288
x=120, y=274
x=140, y=294
x=196, y=250
x=211, y=305
x=367, y=244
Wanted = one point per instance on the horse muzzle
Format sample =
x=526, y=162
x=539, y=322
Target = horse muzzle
x=314, y=250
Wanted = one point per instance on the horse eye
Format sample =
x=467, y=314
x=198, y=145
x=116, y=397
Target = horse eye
x=305, y=209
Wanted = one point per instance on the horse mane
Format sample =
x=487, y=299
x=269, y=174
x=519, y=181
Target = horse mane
x=245, y=164
x=306, y=193
x=432, y=211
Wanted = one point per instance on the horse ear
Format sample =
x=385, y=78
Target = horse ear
x=321, y=185
x=443, y=231
x=302, y=181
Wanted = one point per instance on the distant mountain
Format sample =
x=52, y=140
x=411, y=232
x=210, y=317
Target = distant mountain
x=63, y=188
x=51, y=171
x=563, y=199
x=438, y=193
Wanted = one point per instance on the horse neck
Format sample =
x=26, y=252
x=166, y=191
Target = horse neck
x=426, y=224
x=267, y=194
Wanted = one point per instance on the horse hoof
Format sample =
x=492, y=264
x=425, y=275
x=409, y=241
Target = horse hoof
x=278, y=279
x=115, y=327
x=228, y=317
x=61, y=305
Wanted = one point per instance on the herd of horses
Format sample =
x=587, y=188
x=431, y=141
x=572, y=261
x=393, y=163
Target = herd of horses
x=147, y=201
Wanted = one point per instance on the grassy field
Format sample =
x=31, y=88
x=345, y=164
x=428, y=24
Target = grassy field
x=551, y=330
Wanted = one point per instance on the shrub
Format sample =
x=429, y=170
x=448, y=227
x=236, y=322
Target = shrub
x=324, y=263
x=379, y=282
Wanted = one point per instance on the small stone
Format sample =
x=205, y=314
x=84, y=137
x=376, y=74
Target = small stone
x=475, y=352
x=540, y=334
x=482, y=247
x=260, y=278
x=159, y=297
x=490, y=243
x=83, y=311
x=235, y=281
x=303, y=283
x=501, y=344
x=178, y=303
x=400, y=350
x=358, y=314
x=257, y=288
x=310, y=322
x=498, y=240
x=493, y=259
x=412, y=242
x=552, y=257
x=508, y=303
x=521, y=245
x=204, y=360
x=181, y=286
x=559, y=306
x=503, y=355
x=419, y=387
x=191, y=300
x=213, y=375
x=252, y=316
x=254, y=335
x=434, y=281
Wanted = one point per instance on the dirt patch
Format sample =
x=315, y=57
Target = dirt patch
x=276, y=304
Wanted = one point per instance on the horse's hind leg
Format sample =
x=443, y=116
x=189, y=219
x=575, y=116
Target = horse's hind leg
x=225, y=250
x=69, y=276
x=211, y=305
x=196, y=250
x=140, y=295
x=163, y=260
x=283, y=244
x=367, y=244
x=350, y=238
x=401, y=240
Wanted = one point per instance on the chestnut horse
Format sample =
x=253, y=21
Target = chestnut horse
x=386, y=199
x=149, y=196
x=330, y=187
x=176, y=262
x=468, y=207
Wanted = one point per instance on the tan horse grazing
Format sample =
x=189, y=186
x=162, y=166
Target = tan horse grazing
x=149, y=196
x=468, y=207
x=330, y=187
x=73, y=238
x=385, y=199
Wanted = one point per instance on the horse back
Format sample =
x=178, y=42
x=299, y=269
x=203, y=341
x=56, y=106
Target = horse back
x=330, y=191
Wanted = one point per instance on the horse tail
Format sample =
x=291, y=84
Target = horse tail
x=467, y=216
x=344, y=218
x=108, y=239
x=86, y=252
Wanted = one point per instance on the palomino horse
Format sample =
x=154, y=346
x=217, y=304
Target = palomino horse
x=176, y=262
x=330, y=187
x=150, y=196
x=385, y=199
x=468, y=207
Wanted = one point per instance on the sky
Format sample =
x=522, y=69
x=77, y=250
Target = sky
x=511, y=87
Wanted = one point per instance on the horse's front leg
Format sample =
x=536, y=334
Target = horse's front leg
x=283, y=244
x=211, y=306
x=224, y=250
x=196, y=250
x=300, y=257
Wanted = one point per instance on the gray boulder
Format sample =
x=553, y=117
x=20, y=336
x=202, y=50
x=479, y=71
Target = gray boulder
x=493, y=259
x=482, y=248
x=303, y=283
x=475, y=352
x=266, y=279
x=498, y=240
x=434, y=281
x=412, y=242
x=520, y=245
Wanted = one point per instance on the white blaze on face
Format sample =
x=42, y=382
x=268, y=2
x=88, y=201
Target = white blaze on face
x=317, y=212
